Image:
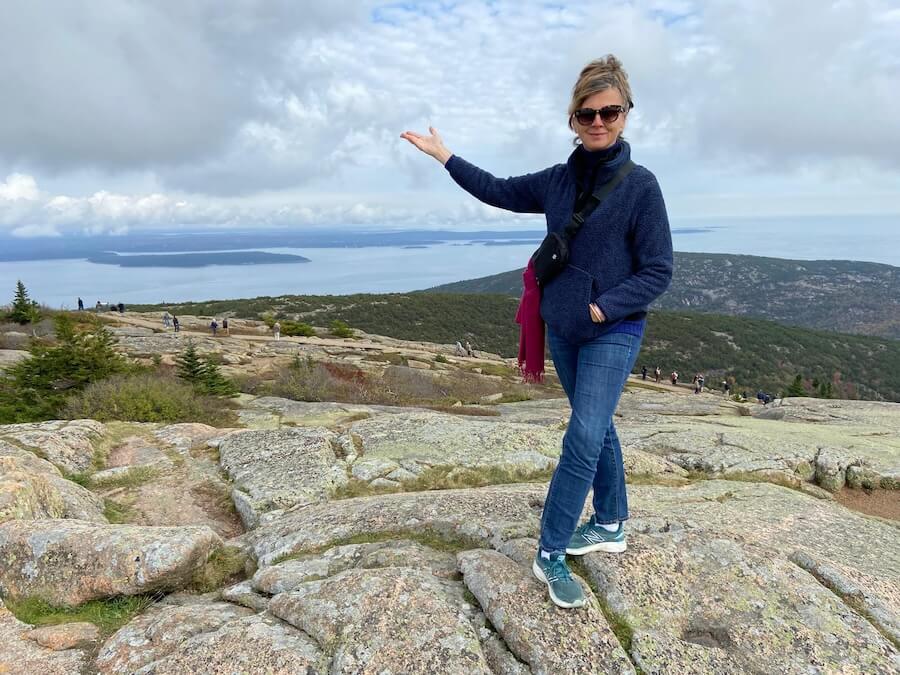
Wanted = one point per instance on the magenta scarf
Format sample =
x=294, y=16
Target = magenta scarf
x=531, y=335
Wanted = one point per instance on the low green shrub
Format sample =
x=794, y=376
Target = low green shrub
x=340, y=329
x=148, y=397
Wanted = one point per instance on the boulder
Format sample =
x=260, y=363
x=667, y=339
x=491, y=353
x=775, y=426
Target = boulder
x=68, y=562
x=433, y=439
x=32, y=488
x=19, y=654
x=67, y=444
x=280, y=468
x=474, y=518
x=66, y=636
x=159, y=631
x=535, y=630
x=253, y=644
x=289, y=574
x=697, y=603
x=395, y=620
x=10, y=357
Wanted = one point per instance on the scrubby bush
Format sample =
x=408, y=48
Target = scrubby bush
x=148, y=397
x=296, y=329
x=340, y=329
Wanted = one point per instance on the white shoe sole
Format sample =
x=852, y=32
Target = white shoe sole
x=605, y=547
x=539, y=573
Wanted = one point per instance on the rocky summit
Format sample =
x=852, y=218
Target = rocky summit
x=335, y=537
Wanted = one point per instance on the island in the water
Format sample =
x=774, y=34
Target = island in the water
x=197, y=259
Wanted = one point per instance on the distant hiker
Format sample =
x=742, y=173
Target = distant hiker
x=121, y=307
x=175, y=323
x=99, y=306
x=595, y=309
x=459, y=349
x=80, y=305
x=276, y=330
x=644, y=372
x=469, y=350
x=225, y=326
x=700, y=382
x=167, y=319
x=726, y=387
x=657, y=373
x=214, y=326
x=674, y=378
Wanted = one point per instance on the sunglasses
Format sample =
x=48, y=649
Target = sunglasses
x=608, y=114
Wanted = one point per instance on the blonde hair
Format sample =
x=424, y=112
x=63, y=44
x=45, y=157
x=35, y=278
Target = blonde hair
x=600, y=75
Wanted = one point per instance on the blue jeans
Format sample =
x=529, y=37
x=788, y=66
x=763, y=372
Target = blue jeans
x=592, y=375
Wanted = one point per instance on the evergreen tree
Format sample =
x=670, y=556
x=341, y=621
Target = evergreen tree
x=796, y=387
x=216, y=384
x=203, y=373
x=191, y=367
x=24, y=310
x=36, y=388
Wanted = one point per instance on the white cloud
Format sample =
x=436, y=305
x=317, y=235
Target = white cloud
x=289, y=112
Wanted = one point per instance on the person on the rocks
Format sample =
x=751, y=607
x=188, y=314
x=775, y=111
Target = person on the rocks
x=276, y=330
x=469, y=350
x=225, y=325
x=620, y=260
x=80, y=305
x=214, y=326
x=674, y=378
x=175, y=323
x=657, y=373
x=643, y=372
x=459, y=349
x=166, y=319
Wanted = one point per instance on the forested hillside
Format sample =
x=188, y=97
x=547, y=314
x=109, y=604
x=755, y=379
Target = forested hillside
x=839, y=295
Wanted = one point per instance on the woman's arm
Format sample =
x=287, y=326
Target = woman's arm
x=523, y=194
x=652, y=241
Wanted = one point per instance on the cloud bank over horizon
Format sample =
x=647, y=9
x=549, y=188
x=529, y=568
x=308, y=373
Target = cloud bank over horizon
x=143, y=115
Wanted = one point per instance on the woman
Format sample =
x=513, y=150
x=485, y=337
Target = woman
x=595, y=309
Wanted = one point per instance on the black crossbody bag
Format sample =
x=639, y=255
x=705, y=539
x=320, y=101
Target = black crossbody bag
x=552, y=255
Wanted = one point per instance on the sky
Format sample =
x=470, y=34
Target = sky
x=131, y=115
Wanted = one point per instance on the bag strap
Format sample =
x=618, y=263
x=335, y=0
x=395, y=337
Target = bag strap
x=596, y=199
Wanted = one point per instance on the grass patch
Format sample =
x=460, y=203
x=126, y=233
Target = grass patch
x=118, y=513
x=108, y=615
x=131, y=478
x=394, y=358
x=446, y=478
x=225, y=565
x=488, y=368
x=440, y=358
x=438, y=541
x=656, y=479
x=464, y=410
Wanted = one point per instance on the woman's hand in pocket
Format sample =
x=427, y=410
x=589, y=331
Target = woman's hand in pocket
x=597, y=315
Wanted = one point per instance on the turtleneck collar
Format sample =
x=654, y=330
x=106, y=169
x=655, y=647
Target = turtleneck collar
x=593, y=168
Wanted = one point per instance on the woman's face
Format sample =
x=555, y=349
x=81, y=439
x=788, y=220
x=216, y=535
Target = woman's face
x=599, y=135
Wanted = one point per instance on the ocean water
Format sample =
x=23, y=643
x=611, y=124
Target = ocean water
x=332, y=271
x=384, y=269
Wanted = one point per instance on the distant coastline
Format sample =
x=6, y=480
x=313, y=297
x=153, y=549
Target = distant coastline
x=197, y=259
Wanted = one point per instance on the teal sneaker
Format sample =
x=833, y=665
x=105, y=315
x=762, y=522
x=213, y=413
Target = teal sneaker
x=590, y=537
x=564, y=590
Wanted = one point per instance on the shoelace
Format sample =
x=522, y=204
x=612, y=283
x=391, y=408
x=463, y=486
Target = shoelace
x=558, y=570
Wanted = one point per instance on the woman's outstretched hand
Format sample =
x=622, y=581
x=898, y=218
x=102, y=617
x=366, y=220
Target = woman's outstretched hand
x=431, y=145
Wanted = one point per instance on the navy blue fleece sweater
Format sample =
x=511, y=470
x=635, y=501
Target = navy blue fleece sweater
x=621, y=258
